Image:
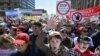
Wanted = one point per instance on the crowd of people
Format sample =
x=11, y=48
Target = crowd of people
x=36, y=38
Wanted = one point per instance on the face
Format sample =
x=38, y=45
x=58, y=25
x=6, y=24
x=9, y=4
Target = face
x=13, y=32
x=68, y=29
x=84, y=33
x=19, y=31
x=83, y=45
x=64, y=34
x=55, y=44
x=21, y=48
x=36, y=29
x=97, y=52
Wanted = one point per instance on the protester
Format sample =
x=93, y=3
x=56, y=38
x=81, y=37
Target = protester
x=6, y=47
x=66, y=40
x=22, y=43
x=82, y=47
x=68, y=30
x=82, y=31
x=36, y=29
x=55, y=47
x=13, y=31
x=52, y=37
x=29, y=28
x=97, y=51
x=96, y=36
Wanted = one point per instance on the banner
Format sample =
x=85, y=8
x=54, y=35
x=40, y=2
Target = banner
x=88, y=12
x=11, y=13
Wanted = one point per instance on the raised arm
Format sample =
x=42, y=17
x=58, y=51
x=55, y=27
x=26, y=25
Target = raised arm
x=40, y=42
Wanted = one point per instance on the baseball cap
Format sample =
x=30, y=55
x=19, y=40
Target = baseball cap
x=23, y=36
x=19, y=42
x=55, y=34
x=21, y=28
x=80, y=29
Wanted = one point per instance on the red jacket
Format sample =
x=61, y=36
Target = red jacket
x=87, y=53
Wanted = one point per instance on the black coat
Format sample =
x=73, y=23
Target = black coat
x=34, y=50
x=68, y=42
x=96, y=39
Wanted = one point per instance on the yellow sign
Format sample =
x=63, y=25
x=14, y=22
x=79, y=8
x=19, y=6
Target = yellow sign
x=31, y=18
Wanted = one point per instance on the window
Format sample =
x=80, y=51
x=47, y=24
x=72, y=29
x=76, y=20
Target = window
x=8, y=3
x=15, y=4
x=1, y=4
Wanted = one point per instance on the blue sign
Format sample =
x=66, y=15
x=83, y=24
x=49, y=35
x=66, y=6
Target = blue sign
x=11, y=13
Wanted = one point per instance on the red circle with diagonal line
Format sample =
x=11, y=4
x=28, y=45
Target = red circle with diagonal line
x=77, y=17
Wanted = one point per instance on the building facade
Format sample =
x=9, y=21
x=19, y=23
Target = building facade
x=83, y=4
x=12, y=4
x=27, y=4
x=9, y=4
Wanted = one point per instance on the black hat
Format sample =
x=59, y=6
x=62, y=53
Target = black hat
x=83, y=38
